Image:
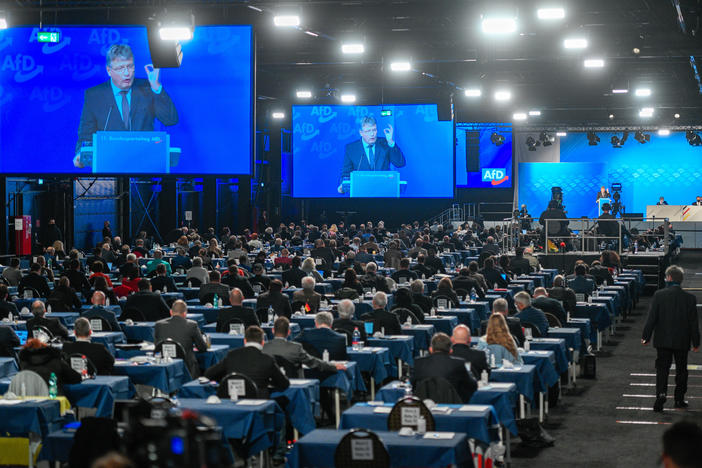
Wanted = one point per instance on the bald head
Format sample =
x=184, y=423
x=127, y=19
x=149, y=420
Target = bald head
x=180, y=308
x=98, y=298
x=236, y=298
x=461, y=335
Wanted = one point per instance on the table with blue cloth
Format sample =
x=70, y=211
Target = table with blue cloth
x=257, y=424
x=138, y=331
x=323, y=288
x=303, y=321
x=291, y=291
x=171, y=296
x=583, y=325
x=57, y=445
x=112, y=308
x=189, y=293
x=513, y=288
x=40, y=416
x=468, y=317
x=302, y=394
x=209, y=313
x=544, y=362
x=614, y=297
x=335, y=283
x=100, y=393
x=317, y=448
x=8, y=367
x=503, y=398
x=490, y=298
x=444, y=324
x=205, y=359
x=523, y=377
x=572, y=336
x=480, y=306
x=538, y=280
x=621, y=290
x=400, y=346
x=608, y=301
x=597, y=313
x=166, y=376
x=66, y=318
x=249, y=303
x=230, y=341
x=109, y=339
x=473, y=420
x=558, y=346
x=373, y=360
x=422, y=335
x=21, y=302
x=347, y=381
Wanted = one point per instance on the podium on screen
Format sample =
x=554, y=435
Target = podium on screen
x=130, y=152
x=374, y=184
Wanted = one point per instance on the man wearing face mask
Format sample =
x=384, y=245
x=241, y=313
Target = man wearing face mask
x=124, y=103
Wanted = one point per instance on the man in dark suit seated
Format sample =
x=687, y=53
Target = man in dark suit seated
x=381, y=318
x=530, y=314
x=440, y=363
x=493, y=276
x=373, y=280
x=350, y=262
x=307, y=295
x=580, y=284
x=215, y=286
x=98, y=310
x=235, y=311
x=53, y=325
x=6, y=307
x=520, y=265
x=325, y=254
x=294, y=352
x=131, y=268
x=466, y=282
x=8, y=341
x=600, y=273
x=251, y=361
x=404, y=274
x=234, y=280
x=490, y=247
x=316, y=340
x=418, y=297
x=276, y=299
x=461, y=348
x=560, y=292
x=345, y=322
x=183, y=331
x=78, y=280
x=259, y=281
x=163, y=282
x=549, y=305
x=150, y=304
x=293, y=276
x=96, y=353
x=35, y=281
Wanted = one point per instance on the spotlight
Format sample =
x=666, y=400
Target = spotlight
x=561, y=134
x=575, y=43
x=593, y=63
x=3, y=19
x=592, y=139
x=550, y=13
x=352, y=48
x=611, y=116
x=534, y=113
x=348, y=98
x=616, y=143
x=499, y=25
x=646, y=112
x=278, y=115
x=519, y=116
x=532, y=143
x=286, y=20
x=503, y=95
x=176, y=26
x=663, y=132
x=473, y=92
x=642, y=137
x=400, y=66
x=620, y=91
x=303, y=94
x=497, y=139
x=546, y=138
x=693, y=138
x=677, y=116
x=642, y=92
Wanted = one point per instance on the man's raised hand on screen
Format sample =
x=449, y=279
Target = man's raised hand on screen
x=76, y=161
x=388, y=131
x=152, y=74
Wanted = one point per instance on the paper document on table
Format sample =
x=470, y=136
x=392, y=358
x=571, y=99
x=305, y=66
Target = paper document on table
x=382, y=409
x=439, y=435
x=474, y=408
x=251, y=402
x=10, y=402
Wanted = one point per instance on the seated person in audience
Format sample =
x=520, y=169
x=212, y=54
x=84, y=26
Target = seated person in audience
x=96, y=353
x=251, y=361
x=473, y=273
x=440, y=363
x=130, y=269
x=149, y=304
x=283, y=260
x=402, y=299
x=236, y=311
x=682, y=444
x=490, y=247
x=461, y=348
x=163, y=282
x=98, y=310
x=158, y=260
x=6, y=307
x=316, y=340
x=275, y=298
x=549, y=305
x=533, y=261
x=393, y=256
x=46, y=272
x=46, y=360
x=77, y=278
x=404, y=274
x=12, y=273
x=53, y=325
x=198, y=272
x=214, y=286
x=308, y=296
x=528, y=314
x=580, y=284
x=417, y=250
x=181, y=261
x=421, y=268
x=324, y=253
x=63, y=298
x=309, y=268
x=587, y=271
x=293, y=351
x=235, y=279
x=445, y=289
x=600, y=273
x=293, y=276
x=560, y=292
x=499, y=342
x=345, y=322
x=97, y=272
x=35, y=281
x=363, y=257
x=418, y=297
x=500, y=306
x=350, y=262
x=433, y=262
x=259, y=278
x=373, y=280
x=520, y=265
x=139, y=248
x=493, y=276
x=351, y=288
x=184, y=331
x=99, y=284
x=385, y=321
x=506, y=268
x=467, y=283
x=8, y=341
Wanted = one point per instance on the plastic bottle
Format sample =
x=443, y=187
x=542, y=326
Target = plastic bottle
x=484, y=377
x=107, y=302
x=48, y=309
x=473, y=295
x=271, y=314
x=492, y=361
x=421, y=425
x=215, y=301
x=527, y=346
x=53, y=386
x=636, y=246
x=325, y=356
x=356, y=340
x=84, y=370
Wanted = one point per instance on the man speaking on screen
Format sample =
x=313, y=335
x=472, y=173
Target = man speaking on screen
x=124, y=103
x=371, y=153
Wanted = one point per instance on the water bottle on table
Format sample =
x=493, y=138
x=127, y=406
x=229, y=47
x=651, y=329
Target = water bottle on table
x=356, y=340
x=53, y=386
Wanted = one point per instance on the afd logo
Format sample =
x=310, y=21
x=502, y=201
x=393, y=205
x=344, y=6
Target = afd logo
x=495, y=176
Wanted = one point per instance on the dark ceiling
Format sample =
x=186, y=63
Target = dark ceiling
x=442, y=38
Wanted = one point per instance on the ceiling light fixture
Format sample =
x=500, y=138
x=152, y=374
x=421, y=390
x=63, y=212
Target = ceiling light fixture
x=575, y=43
x=550, y=13
x=499, y=25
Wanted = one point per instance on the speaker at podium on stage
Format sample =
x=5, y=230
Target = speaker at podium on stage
x=602, y=198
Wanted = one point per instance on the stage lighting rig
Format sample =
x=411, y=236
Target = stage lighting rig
x=693, y=138
x=616, y=143
x=592, y=139
x=642, y=137
x=497, y=139
x=532, y=143
x=546, y=138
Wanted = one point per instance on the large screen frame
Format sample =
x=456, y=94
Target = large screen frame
x=252, y=111
x=466, y=126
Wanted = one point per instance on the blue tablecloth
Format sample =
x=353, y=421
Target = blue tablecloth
x=475, y=422
x=572, y=336
x=502, y=397
x=208, y=313
x=56, y=446
x=258, y=424
x=546, y=374
x=109, y=339
x=481, y=307
x=231, y=341
x=468, y=317
x=422, y=335
x=139, y=331
x=597, y=313
x=303, y=321
x=374, y=361
x=348, y=381
x=400, y=346
x=317, y=448
x=444, y=324
x=37, y=416
x=586, y=331
x=205, y=359
x=609, y=302
x=8, y=367
x=100, y=393
x=558, y=346
x=189, y=293
x=268, y=329
x=167, y=377
x=523, y=377
x=66, y=318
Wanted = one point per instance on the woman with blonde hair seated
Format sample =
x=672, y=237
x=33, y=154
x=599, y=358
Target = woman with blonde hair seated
x=499, y=342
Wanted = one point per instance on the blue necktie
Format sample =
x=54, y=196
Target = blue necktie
x=125, y=109
x=371, y=156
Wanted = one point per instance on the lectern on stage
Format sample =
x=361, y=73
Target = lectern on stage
x=600, y=203
x=374, y=184
x=130, y=152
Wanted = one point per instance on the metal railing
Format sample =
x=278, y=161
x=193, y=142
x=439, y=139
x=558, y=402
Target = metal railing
x=456, y=213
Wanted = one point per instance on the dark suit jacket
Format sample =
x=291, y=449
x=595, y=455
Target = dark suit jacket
x=450, y=368
x=349, y=325
x=355, y=158
x=253, y=363
x=582, y=285
x=296, y=354
x=566, y=296
x=7, y=307
x=534, y=316
x=383, y=319
x=247, y=316
x=150, y=304
x=51, y=324
x=158, y=282
x=672, y=319
x=279, y=301
x=293, y=277
x=8, y=341
x=423, y=302
x=520, y=266
x=97, y=311
x=78, y=281
x=233, y=280
x=316, y=340
x=129, y=270
x=476, y=358
x=551, y=306
x=185, y=332
x=95, y=352
x=493, y=276
x=33, y=280
x=101, y=110
x=467, y=283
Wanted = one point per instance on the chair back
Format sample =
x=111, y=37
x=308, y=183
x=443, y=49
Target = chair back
x=171, y=348
x=535, y=333
x=291, y=370
x=42, y=333
x=30, y=293
x=134, y=314
x=553, y=321
x=347, y=334
x=403, y=313
x=235, y=326
x=239, y=384
x=57, y=305
x=441, y=301
x=262, y=314
x=78, y=362
x=99, y=324
x=298, y=305
x=34, y=385
x=462, y=293
x=361, y=448
x=407, y=411
x=437, y=389
x=194, y=282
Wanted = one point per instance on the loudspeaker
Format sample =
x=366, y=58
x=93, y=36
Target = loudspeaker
x=472, y=151
x=444, y=108
x=164, y=54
